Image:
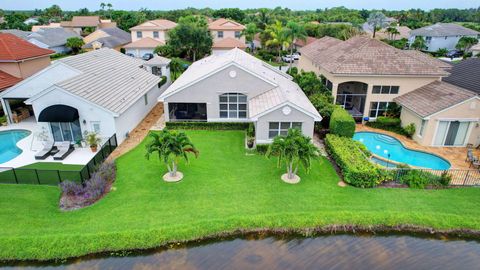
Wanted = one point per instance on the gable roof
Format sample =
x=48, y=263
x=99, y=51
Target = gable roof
x=7, y=80
x=225, y=24
x=81, y=21
x=146, y=42
x=466, y=74
x=434, y=97
x=367, y=56
x=53, y=37
x=229, y=43
x=19, y=33
x=160, y=24
x=112, y=37
x=283, y=91
x=443, y=29
x=13, y=49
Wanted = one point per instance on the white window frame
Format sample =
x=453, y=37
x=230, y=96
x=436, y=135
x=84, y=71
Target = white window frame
x=92, y=125
x=377, y=108
x=139, y=34
x=156, y=34
x=238, y=34
x=279, y=130
x=228, y=103
x=219, y=34
x=422, y=128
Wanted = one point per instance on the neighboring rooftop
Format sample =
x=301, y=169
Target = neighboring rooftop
x=13, y=49
x=111, y=37
x=403, y=30
x=7, y=80
x=82, y=21
x=225, y=24
x=160, y=24
x=466, y=74
x=52, y=37
x=146, y=42
x=35, y=28
x=158, y=61
x=229, y=43
x=368, y=56
x=303, y=43
x=443, y=29
x=19, y=33
x=434, y=97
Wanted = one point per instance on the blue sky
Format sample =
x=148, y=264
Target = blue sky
x=292, y=4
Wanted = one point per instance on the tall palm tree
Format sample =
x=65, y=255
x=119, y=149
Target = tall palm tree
x=250, y=31
x=170, y=147
x=293, y=32
x=293, y=150
x=377, y=20
x=263, y=18
x=277, y=37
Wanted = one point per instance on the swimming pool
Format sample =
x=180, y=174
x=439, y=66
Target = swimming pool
x=8, y=143
x=383, y=145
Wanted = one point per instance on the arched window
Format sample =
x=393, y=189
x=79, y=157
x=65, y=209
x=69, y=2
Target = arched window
x=233, y=105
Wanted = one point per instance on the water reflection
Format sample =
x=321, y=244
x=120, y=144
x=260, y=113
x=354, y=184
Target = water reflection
x=323, y=252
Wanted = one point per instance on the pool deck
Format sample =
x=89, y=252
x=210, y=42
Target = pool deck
x=455, y=155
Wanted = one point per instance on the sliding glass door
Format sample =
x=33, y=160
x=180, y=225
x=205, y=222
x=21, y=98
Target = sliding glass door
x=451, y=133
x=66, y=131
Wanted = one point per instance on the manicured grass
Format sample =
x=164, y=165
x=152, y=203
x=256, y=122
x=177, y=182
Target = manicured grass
x=223, y=190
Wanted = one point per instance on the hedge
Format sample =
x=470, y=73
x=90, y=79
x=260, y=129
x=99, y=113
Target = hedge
x=208, y=125
x=342, y=123
x=389, y=124
x=356, y=168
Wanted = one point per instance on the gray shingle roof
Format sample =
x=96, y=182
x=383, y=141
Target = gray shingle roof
x=433, y=97
x=466, y=74
x=116, y=37
x=443, y=29
x=53, y=37
x=16, y=32
x=109, y=79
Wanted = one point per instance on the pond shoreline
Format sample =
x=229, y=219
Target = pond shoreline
x=355, y=230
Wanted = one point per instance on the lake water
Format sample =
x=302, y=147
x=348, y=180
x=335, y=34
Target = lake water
x=322, y=252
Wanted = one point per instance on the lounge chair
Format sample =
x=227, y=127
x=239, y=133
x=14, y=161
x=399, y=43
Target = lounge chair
x=64, y=149
x=46, y=151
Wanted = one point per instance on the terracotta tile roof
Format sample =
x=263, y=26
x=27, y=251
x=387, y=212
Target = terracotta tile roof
x=466, y=74
x=13, y=48
x=147, y=42
x=7, y=80
x=82, y=21
x=229, y=43
x=225, y=24
x=367, y=56
x=302, y=43
x=160, y=24
x=433, y=97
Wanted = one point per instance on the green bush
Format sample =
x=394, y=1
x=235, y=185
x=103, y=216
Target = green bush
x=162, y=81
x=421, y=179
x=342, y=123
x=388, y=123
x=251, y=130
x=207, y=125
x=324, y=105
x=356, y=168
x=262, y=148
x=409, y=130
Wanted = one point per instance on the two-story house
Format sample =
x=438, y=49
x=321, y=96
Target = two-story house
x=442, y=35
x=79, y=24
x=227, y=35
x=147, y=36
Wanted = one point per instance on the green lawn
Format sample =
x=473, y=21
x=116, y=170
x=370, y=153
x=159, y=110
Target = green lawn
x=223, y=190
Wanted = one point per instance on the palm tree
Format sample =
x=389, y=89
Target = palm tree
x=465, y=43
x=293, y=150
x=377, y=20
x=419, y=43
x=109, y=6
x=250, y=31
x=294, y=31
x=170, y=147
x=277, y=37
x=392, y=32
x=176, y=68
x=263, y=18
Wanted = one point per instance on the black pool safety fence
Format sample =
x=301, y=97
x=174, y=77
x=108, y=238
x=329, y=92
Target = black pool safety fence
x=21, y=175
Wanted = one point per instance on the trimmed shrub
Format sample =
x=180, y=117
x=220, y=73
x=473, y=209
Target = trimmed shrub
x=251, y=130
x=409, y=130
x=342, y=123
x=324, y=105
x=388, y=123
x=208, y=125
x=162, y=81
x=262, y=148
x=356, y=168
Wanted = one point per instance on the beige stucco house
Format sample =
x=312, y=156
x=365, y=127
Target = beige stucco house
x=227, y=35
x=237, y=87
x=365, y=74
x=148, y=35
x=78, y=24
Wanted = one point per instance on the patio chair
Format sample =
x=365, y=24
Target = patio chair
x=64, y=149
x=46, y=151
x=470, y=156
x=475, y=163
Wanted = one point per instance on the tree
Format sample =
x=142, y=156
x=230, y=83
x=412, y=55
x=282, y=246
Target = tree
x=442, y=52
x=263, y=18
x=277, y=37
x=191, y=36
x=293, y=150
x=249, y=32
x=392, y=32
x=176, y=68
x=377, y=20
x=53, y=11
x=419, y=43
x=310, y=83
x=74, y=43
x=465, y=43
x=293, y=32
x=171, y=146
x=235, y=14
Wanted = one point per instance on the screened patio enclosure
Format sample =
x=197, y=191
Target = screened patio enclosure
x=351, y=96
x=187, y=111
x=63, y=121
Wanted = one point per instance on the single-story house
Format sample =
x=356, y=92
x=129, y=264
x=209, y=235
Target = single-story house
x=442, y=35
x=102, y=91
x=238, y=87
x=111, y=37
x=52, y=38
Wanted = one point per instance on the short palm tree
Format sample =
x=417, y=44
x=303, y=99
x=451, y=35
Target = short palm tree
x=293, y=150
x=171, y=146
x=294, y=31
x=392, y=32
x=419, y=43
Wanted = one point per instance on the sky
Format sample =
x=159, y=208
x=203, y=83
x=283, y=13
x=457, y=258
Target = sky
x=292, y=4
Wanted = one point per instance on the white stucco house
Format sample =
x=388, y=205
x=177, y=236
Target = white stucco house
x=237, y=87
x=442, y=35
x=103, y=91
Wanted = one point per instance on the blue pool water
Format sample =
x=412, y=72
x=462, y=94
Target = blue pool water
x=8, y=144
x=382, y=145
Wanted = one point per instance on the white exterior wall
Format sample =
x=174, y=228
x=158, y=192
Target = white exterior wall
x=262, y=125
x=149, y=33
x=447, y=42
x=139, y=52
